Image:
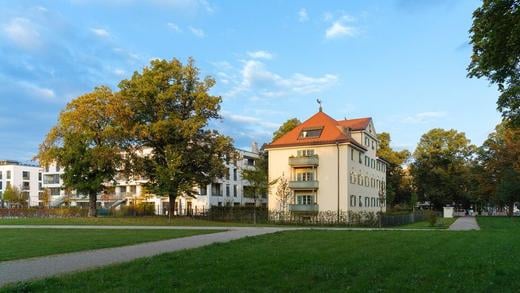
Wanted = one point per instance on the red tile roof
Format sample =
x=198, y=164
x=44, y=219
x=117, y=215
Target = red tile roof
x=333, y=131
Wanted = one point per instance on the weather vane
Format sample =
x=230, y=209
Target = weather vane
x=319, y=103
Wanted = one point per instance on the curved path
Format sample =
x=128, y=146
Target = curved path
x=48, y=266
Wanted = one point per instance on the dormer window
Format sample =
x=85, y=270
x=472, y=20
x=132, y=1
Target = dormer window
x=311, y=132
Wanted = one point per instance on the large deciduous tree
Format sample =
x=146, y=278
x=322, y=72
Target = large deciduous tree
x=500, y=162
x=397, y=188
x=170, y=110
x=86, y=143
x=495, y=36
x=287, y=126
x=441, y=167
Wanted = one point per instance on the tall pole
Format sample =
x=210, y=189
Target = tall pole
x=337, y=149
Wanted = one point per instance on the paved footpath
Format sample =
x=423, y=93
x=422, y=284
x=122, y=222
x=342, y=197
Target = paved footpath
x=465, y=224
x=48, y=266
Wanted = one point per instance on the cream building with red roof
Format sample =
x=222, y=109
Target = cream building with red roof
x=330, y=165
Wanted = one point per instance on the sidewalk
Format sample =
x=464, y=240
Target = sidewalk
x=48, y=266
x=465, y=224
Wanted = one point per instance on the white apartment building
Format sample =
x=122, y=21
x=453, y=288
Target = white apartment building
x=231, y=190
x=330, y=165
x=27, y=178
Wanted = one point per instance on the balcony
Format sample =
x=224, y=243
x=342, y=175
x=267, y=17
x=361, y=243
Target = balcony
x=304, y=185
x=304, y=161
x=303, y=208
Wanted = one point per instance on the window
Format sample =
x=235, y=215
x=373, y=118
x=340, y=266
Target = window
x=227, y=173
x=51, y=179
x=360, y=179
x=367, y=183
x=372, y=144
x=227, y=190
x=373, y=199
x=367, y=141
x=367, y=161
x=203, y=190
x=39, y=176
x=235, y=190
x=352, y=200
x=58, y=168
x=367, y=202
x=122, y=189
x=352, y=154
x=133, y=189
x=304, y=175
x=235, y=176
x=360, y=158
x=311, y=132
x=54, y=191
x=249, y=161
x=373, y=164
x=8, y=175
x=215, y=189
x=26, y=175
x=352, y=178
x=305, y=153
x=0, y=186
x=305, y=199
x=0, y=175
x=359, y=201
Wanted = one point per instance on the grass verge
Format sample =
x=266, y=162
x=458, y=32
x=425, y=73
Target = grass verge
x=394, y=261
x=25, y=243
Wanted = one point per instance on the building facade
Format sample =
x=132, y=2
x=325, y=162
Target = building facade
x=329, y=165
x=231, y=190
x=27, y=178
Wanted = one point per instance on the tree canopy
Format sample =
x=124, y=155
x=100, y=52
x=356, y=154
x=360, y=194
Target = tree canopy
x=495, y=36
x=287, y=126
x=170, y=108
x=397, y=188
x=441, y=167
x=86, y=142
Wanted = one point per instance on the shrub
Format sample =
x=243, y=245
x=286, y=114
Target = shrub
x=432, y=218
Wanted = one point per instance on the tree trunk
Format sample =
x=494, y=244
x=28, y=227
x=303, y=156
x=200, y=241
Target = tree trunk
x=92, y=198
x=171, y=208
x=511, y=209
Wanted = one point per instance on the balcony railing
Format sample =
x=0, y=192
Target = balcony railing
x=303, y=208
x=303, y=184
x=304, y=161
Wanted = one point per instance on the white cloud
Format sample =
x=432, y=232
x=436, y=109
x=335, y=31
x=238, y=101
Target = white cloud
x=100, y=32
x=174, y=27
x=250, y=120
x=340, y=29
x=260, y=55
x=256, y=77
x=197, y=32
x=119, y=72
x=302, y=15
x=423, y=117
x=38, y=92
x=23, y=33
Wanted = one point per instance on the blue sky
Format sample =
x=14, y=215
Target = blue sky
x=402, y=62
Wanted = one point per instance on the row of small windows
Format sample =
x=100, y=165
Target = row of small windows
x=216, y=190
x=26, y=175
x=369, y=162
x=366, y=181
x=360, y=201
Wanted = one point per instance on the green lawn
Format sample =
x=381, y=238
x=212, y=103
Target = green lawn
x=25, y=243
x=118, y=221
x=437, y=261
x=442, y=223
